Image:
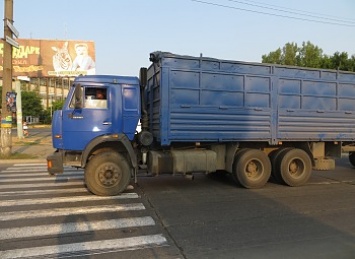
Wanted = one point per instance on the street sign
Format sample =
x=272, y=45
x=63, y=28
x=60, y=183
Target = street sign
x=12, y=28
x=12, y=42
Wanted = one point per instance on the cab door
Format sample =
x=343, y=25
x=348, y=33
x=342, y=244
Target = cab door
x=92, y=119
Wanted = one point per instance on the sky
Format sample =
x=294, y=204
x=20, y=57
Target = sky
x=126, y=32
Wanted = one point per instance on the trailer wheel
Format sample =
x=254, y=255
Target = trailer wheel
x=107, y=174
x=352, y=158
x=295, y=167
x=274, y=157
x=252, y=168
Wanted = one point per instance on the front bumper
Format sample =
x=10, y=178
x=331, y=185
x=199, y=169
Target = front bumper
x=55, y=163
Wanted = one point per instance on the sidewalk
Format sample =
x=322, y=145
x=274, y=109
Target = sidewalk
x=32, y=149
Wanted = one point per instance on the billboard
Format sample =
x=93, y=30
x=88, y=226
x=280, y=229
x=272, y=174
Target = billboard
x=51, y=58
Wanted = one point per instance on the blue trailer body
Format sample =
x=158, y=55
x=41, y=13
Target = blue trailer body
x=197, y=99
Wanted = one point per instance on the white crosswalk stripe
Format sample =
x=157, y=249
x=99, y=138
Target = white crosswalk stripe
x=65, y=199
x=75, y=227
x=44, y=179
x=45, y=213
x=36, y=185
x=49, y=191
x=18, y=175
x=36, y=206
x=111, y=245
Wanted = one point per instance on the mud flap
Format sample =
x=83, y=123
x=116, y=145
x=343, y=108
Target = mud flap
x=55, y=163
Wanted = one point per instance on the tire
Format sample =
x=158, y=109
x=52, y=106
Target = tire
x=274, y=157
x=295, y=167
x=236, y=158
x=252, y=168
x=107, y=174
x=352, y=158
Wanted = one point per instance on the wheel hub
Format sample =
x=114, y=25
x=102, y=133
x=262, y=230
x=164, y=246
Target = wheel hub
x=109, y=175
x=293, y=167
x=296, y=168
x=254, y=169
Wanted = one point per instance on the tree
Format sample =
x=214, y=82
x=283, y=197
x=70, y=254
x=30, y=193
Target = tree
x=290, y=54
x=57, y=105
x=326, y=62
x=352, y=63
x=309, y=55
x=340, y=61
x=273, y=57
x=31, y=104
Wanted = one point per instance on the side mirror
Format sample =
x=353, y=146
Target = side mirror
x=78, y=95
x=143, y=77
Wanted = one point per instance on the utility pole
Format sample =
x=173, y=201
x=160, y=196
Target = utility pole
x=6, y=114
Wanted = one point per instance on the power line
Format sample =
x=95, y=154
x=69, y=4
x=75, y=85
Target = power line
x=274, y=14
x=293, y=11
x=307, y=12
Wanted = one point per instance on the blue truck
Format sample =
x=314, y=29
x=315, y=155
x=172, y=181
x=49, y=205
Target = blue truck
x=197, y=114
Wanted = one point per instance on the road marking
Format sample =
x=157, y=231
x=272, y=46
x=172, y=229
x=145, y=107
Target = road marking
x=48, y=178
x=23, y=178
x=44, y=175
x=31, y=214
x=40, y=201
x=74, y=227
x=49, y=191
x=100, y=246
x=34, y=167
x=27, y=169
x=30, y=186
x=29, y=164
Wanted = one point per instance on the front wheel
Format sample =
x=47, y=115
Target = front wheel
x=107, y=174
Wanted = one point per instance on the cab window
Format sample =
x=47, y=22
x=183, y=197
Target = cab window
x=94, y=98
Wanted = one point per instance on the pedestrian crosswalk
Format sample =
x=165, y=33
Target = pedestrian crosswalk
x=56, y=217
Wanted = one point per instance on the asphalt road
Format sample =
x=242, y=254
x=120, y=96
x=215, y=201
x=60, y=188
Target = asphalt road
x=173, y=217
x=212, y=218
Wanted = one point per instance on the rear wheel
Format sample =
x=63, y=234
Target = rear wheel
x=352, y=158
x=274, y=157
x=252, y=168
x=294, y=167
x=107, y=174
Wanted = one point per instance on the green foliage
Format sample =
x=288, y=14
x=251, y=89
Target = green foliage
x=309, y=55
x=274, y=57
x=31, y=104
x=57, y=105
x=45, y=117
x=290, y=54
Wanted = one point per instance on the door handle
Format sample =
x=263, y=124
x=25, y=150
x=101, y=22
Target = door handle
x=107, y=123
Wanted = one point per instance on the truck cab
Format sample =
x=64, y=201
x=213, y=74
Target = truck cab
x=100, y=114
